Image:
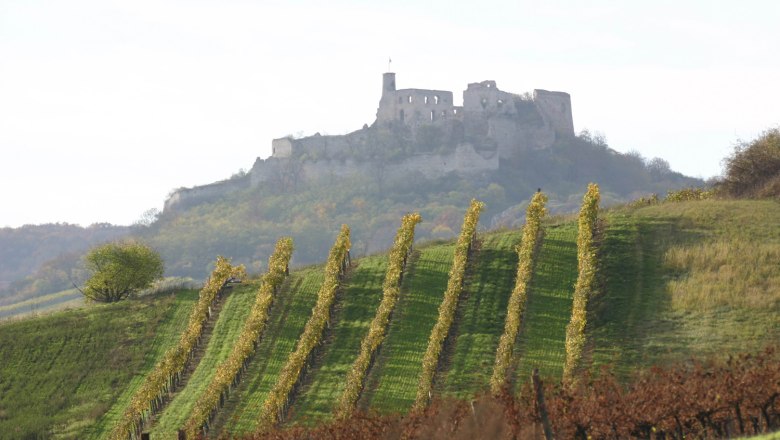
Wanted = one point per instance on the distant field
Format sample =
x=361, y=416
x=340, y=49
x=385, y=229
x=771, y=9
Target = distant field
x=676, y=280
x=42, y=304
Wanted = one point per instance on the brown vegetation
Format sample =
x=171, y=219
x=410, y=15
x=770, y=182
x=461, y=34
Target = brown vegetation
x=694, y=400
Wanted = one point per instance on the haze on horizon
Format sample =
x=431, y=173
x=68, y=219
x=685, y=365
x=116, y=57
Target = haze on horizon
x=105, y=107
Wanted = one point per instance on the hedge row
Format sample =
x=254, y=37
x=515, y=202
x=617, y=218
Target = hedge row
x=167, y=373
x=376, y=332
x=448, y=305
x=275, y=406
x=525, y=251
x=228, y=373
x=586, y=276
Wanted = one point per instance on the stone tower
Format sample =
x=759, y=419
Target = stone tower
x=388, y=82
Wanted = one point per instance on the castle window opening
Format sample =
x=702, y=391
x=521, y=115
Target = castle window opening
x=454, y=111
x=401, y=115
x=431, y=115
x=500, y=102
x=435, y=99
x=426, y=100
x=410, y=99
x=444, y=112
x=484, y=102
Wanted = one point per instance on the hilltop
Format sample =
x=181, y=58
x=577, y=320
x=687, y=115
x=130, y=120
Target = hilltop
x=677, y=280
x=421, y=153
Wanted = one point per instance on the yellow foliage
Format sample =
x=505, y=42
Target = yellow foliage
x=276, y=403
x=376, y=332
x=448, y=305
x=208, y=402
x=166, y=373
x=586, y=276
x=525, y=252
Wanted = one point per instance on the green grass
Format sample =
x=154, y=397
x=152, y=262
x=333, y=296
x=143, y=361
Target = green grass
x=488, y=286
x=226, y=331
x=644, y=318
x=287, y=316
x=542, y=338
x=391, y=385
x=661, y=299
x=325, y=382
x=61, y=373
x=165, y=337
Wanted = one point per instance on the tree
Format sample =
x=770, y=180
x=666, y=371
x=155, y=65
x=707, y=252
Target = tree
x=119, y=269
x=753, y=169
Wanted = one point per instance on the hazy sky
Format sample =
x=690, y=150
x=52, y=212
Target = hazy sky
x=106, y=106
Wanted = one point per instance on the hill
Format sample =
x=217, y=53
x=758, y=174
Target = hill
x=38, y=259
x=677, y=280
x=245, y=223
x=422, y=153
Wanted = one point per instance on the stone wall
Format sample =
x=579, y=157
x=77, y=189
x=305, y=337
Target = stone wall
x=464, y=159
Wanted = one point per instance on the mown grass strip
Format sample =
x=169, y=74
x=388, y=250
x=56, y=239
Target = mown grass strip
x=484, y=310
x=391, y=384
x=586, y=279
x=224, y=335
x=287, y=317
x=275, y=406
x=542, y=341
x=361, y=295
x=391, y=288
x=448, y=305
x=532, y=231
x=228, y=371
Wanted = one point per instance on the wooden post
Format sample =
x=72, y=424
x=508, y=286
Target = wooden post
x=541, y=409
x=182, y=435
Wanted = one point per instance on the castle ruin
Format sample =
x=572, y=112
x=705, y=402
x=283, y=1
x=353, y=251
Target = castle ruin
x=431, y=135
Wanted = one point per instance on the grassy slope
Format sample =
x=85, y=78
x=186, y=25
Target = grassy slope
x=487, y=289
x=325, y=381
x=662, y=301
x=227, y=329
x=729, y=303
x=61, y=373
x=288, y=315
x=391, y=384
x=541, y=343
x=165, y=337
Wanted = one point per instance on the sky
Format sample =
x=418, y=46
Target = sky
x=107, y=106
